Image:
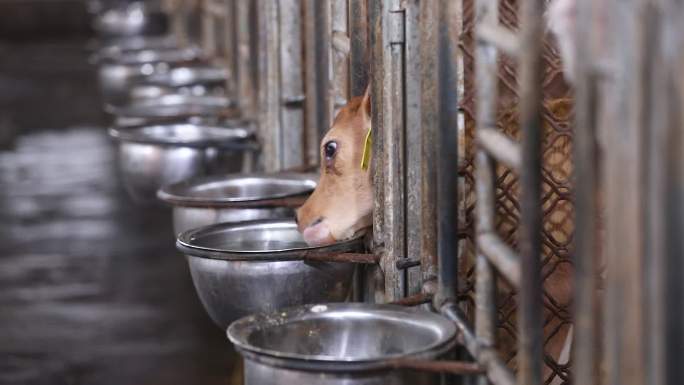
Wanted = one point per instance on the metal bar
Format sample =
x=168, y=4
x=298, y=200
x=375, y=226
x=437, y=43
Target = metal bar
x=316, y=76
x=269, y=85
x=376, y=284
x=414, y=300
x=624, y=196
x=359, y=61
x=405, y=263
x=502, y=256
x=497, y=371
x=338, y=57
x=485, y=289
x=447, y=149
x=413, y=152
x=486, y=61
x=451, y=367
x=499, y=36
x=228, y=44
x=586, y=309
x=429, y=125
x=369, y=259
x=485, y=194
x=245, y=73
x=504, y=149
x=393, y=161
x=291, y=82
x=531, y=69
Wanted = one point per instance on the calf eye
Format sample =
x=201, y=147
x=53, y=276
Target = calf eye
x=329, y=149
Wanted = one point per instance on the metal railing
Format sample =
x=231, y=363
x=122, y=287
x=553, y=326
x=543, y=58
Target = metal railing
x=521, y=270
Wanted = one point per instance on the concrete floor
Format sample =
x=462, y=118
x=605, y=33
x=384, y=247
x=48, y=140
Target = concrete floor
x=92, y=290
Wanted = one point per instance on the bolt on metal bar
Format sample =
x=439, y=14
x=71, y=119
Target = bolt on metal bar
x=504, y=149
x=531, y=69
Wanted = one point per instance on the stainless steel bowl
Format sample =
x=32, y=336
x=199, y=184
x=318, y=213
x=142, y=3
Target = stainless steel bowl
x=350, y=343
x=111, y=50
x=136, y=43
x=241, y=269
x=153, y=55
x=116, y=79
x=188, y=76
x=169, y=107
x=129, y=19
x=235, y=198
x=153, y=156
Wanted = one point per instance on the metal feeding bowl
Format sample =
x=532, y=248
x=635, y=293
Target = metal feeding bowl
x=349, y=343
x=116, y=80
x=188, y=76
x=246, y=268
x=235, y=198
x=130, y=19
x=153, y=55
x=136, y=43
x=119, y=68
x=113, y=49
x=153, y=156
x=169, y=108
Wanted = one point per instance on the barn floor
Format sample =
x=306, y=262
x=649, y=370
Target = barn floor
x=92, y=290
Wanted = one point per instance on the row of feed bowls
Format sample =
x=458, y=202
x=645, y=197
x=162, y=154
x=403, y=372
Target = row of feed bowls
x=284, y=313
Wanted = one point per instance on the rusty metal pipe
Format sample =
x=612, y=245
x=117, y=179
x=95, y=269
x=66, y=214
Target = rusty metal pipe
x=369, y=259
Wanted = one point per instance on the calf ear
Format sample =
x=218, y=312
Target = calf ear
x=366, y=101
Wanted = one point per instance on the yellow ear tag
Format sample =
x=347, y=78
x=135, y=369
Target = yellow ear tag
x=367, y=147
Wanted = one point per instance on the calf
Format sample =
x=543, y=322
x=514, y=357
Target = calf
x=342, y=204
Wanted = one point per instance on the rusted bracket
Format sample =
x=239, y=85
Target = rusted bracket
x=361, y=258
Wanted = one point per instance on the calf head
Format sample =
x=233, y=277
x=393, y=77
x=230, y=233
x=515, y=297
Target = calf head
x=341, y=205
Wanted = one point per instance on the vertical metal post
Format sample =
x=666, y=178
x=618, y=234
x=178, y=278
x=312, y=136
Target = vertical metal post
x=339, y=93
x=269, y=85
x=586, y=338
x=317, y=80
x=485, y=284
x=530, y=354
x=377, y=75
x=359, y=62
x=664, y=99
x=429, y=124
x=393, y=161
x=358, y=67
x=623, y=192
x=291, y=83
x=245, y=76
x=413, y=152
x=447, y=146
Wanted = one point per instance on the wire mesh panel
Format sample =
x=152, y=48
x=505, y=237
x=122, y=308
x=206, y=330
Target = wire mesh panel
x=556, y=189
